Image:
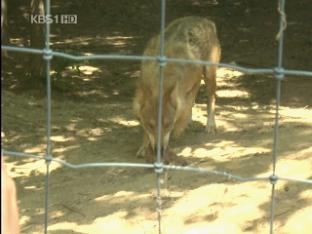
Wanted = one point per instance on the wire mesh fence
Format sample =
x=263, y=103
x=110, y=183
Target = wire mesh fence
x=278, y=71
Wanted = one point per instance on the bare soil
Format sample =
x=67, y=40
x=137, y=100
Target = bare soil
x=92, y=121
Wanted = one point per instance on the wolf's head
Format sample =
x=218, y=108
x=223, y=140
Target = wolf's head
x=145, y=107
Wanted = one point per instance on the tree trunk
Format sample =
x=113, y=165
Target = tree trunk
x=4, y=25
x=36, y=41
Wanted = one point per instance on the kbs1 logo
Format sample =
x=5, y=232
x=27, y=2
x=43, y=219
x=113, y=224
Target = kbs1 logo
x=53, y=19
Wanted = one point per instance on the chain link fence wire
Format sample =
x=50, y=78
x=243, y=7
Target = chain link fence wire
x=279, y=72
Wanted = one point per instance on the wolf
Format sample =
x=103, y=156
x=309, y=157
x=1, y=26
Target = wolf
x=192, y=38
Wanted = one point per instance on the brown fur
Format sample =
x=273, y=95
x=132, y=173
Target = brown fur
x=193, y=38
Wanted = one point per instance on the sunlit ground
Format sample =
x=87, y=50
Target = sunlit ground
x=192, y=204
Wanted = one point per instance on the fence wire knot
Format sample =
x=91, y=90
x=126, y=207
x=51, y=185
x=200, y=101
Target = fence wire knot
x=158, y=167
x=48, y=159
x=47, y=54
x=279, y=73
x=273, y=179
x=162, y=60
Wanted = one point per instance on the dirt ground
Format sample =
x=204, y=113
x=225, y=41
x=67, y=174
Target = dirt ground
x=92, y=121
